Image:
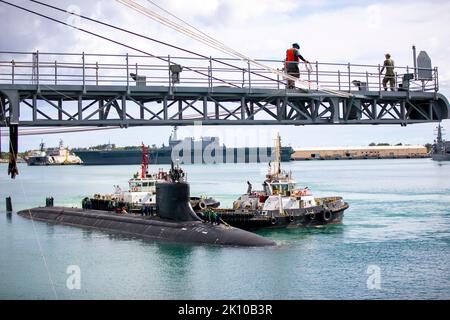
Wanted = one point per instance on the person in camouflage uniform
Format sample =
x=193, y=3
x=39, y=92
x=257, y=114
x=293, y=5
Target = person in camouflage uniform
x=389, y=76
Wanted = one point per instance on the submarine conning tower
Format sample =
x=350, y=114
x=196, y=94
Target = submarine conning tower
x=172, y=200
x=173, y=197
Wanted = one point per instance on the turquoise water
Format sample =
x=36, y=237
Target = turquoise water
x=398, y=221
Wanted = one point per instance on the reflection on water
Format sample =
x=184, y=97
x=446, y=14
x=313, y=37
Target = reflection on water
x=399, y=220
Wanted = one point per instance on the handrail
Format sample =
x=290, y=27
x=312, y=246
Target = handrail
x=86, y=69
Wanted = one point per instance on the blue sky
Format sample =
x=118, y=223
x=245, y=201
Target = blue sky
x=329, y=31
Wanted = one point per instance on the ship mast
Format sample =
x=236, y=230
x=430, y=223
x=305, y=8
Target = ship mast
x=439, y=134
x=277, y=164
x=144, y=165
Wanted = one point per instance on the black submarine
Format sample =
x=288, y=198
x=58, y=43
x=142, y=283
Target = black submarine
x=174, y=219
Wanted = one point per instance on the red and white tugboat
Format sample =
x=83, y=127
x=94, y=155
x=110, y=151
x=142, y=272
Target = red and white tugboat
x=281, y=204
x=141, y=194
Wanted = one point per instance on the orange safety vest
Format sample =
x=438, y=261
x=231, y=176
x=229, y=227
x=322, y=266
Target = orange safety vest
x=290, y=55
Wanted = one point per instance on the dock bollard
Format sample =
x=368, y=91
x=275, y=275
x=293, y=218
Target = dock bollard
x=8, y=204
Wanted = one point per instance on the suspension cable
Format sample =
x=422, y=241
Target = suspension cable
x=113, y=41
x=154, y=40
x=204, y=38
x=201, y=38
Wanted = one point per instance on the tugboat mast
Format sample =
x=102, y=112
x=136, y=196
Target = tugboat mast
x=145, y=161
x=275, y=170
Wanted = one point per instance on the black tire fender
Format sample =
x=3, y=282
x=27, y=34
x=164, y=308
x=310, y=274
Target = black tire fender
x=202, y=205
x=327, y=215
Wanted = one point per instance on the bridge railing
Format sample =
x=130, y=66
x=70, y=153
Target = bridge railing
x=46, y=69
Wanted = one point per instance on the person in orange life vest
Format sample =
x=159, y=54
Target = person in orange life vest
x=293, y=57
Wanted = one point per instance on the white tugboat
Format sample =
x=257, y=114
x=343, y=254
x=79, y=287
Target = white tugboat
x=281, y=204
x=141, y=194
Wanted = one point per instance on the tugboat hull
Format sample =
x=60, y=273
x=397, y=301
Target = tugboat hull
x=154, y=228
x=307, y=217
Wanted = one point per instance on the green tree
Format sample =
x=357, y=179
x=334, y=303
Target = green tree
x=429, y=146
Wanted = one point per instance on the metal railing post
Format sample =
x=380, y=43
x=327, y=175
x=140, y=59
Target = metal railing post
x=37, y=71
x=407, y=71
x=128, y=69
x=278, y=81
x=339, y=79
x=210, y=73
x=409, y=87
x=249, y=77
x=170, y=80
x=13, y=64
x=56, y=73
x=96, y=73
x=436, y=79
x=84, y=72
x=317, y=75
x=379, y=77
x=367, y=81
x=395, y=80
x=309, y=75
x=349, y=78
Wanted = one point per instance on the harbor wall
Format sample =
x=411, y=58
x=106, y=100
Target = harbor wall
x=347, y=153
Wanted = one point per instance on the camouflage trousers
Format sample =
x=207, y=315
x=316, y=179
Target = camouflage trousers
x=391, y=81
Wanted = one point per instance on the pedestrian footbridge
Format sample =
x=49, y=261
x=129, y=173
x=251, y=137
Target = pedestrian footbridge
x=40, y=89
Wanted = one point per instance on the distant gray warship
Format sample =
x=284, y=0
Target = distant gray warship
x=194, y=152
x=441, y=148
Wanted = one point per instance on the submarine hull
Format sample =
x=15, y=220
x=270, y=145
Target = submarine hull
x=155, y=228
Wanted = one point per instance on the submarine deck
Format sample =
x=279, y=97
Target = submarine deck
x=194, y=232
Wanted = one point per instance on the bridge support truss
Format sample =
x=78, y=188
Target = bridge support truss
x=25, y=105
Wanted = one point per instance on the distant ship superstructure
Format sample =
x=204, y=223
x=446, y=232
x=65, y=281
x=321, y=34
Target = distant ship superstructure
x=441, y=148
x=185, y=151
x=52, y=156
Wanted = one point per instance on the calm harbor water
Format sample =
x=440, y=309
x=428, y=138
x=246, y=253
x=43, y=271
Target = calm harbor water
x=398, y=224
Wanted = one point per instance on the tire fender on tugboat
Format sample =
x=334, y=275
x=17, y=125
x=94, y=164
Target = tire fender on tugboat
x=202, y=205
x=326, y=215
x=273, y=220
